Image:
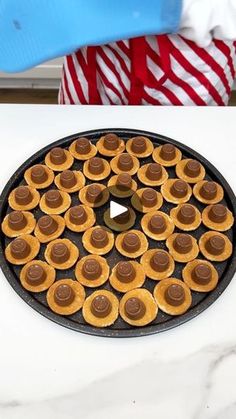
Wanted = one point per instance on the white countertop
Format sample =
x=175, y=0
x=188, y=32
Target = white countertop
x=49, y=372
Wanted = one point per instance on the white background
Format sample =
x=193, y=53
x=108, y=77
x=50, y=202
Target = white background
x=51, y=372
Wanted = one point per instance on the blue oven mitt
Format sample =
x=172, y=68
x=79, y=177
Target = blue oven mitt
x=33, y=31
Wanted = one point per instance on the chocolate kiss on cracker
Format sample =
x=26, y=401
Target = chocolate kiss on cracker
x=157, y=264
x=200, y=275
x=66, y=296
x=152, y=174
x=83, y=149
x=173, y=296
x=96, y=169
x=100, y=309
x=92, y=271
x=122, y=222
x=55, y=202
x=22, y=249
x=192, y=171
x=125, y=163
x=70, y=181
x=186, y=217
x=167, y=155
x=79, y=218
x=59, y=159
x=23, y=198
x=37, y=276
x=17, y=223
x=39, y=176
x=122, y=185
x=157, y=225
x=98, y=240
x=208, y=192
x=61, y=254
x=217, y=217
x=182, y=247
x=132, y=243
x=127, y=275
x=94, y=195
x=215, y=246
x=110, y=145
x=49, y=227
x=139, y=146
x=138, y=307
x=176, y=191
x=146, y=200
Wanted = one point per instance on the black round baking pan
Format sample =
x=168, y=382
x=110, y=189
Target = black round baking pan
x=163, y=321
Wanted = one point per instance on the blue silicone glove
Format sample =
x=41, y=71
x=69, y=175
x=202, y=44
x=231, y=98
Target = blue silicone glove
x=33, y=31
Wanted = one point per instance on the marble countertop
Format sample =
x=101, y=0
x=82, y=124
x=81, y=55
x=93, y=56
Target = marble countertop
x=49, y=372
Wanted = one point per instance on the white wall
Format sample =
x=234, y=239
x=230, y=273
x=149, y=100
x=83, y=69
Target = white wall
x=46, y=75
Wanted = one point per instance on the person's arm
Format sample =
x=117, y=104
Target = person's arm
x=33, y=31
x=203, y=20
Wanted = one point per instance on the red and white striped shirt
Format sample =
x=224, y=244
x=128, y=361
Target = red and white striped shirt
x=152, y=70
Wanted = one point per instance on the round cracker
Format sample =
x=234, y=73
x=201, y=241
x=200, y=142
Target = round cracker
x=158, y=159
x=94, y=250
x=167, y=195
x=80, y=182
x=113, y=225
x=157, y=236
x=105, y=196
x=146, y=153
x=105, y=173
x=83, y=157
x=30, y=225
x=151, y=273
x=48, y=182
x=92, y=283
x=143, y=247
x=215, y=258
x=186, y=227
x=66, y=201
x=75, y=305
x=151, y=307
x=105, y=321
x=226, y=225
x=43, y=238
x=143, y=178
x=136, y=201
x=117, y=171
x=74, y=254
x=79, y=228
x=33, y=204
x=50, y=276
x=60, y=167
x=121, y=193
x=109, y=153
x=34, y=250
x=187, y=276
x=179, y=257
x=180, y=172
x=216, y=200
x=137, y=282
x=159, y=295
